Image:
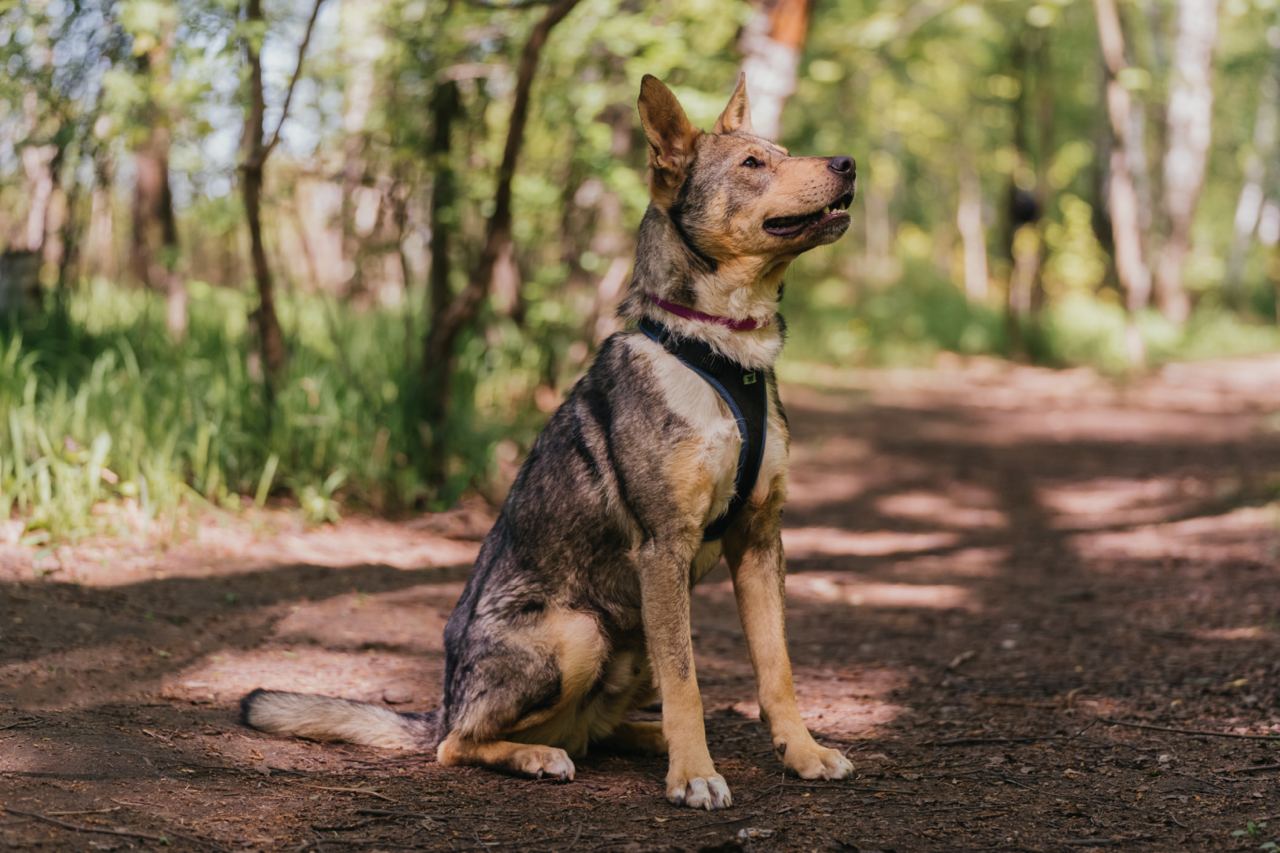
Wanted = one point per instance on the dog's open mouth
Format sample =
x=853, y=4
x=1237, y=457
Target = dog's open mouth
x=791, y=226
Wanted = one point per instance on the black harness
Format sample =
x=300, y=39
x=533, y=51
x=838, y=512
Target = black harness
x=746, y=394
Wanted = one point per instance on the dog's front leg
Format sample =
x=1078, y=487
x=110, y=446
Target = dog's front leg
x=758, y=567
x=692, y=779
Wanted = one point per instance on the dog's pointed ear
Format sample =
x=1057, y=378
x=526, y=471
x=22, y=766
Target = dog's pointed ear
x=737, y=114
x=670, y=135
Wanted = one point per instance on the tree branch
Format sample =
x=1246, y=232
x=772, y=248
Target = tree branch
x=293, y=81
x=512, y=4
x=464, y=308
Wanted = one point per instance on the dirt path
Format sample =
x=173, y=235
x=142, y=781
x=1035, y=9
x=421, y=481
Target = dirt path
x=988, y=565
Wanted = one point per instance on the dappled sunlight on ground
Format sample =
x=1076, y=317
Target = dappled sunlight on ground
x=396, y=621
x=986, y=565
x=802, y=542
x=1247, y=632
x=1247, y=533
x=228, y=545
x=839, y=704
x=966, y=509
x=858, y=593
x=977, y=562
x=368, y=675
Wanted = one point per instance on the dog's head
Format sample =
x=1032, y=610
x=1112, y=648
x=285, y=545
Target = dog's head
x=733, y=194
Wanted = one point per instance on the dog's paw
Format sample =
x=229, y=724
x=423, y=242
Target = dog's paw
x=700, y=792
x=544, y=762
x=812, y=761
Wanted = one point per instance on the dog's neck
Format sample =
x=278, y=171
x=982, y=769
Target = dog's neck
x=740, y=289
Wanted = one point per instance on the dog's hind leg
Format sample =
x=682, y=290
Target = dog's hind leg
x=642, y=737
x=518, y=708
x=520, y=758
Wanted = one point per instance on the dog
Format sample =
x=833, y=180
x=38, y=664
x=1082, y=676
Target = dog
x=577, y=609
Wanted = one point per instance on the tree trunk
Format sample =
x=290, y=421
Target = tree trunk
x=1122, y=198
x=1027, y=188
x=1188, y=131
x=446, y=106
x=154, y=250
x=155, y=228
x=363, y=43
x=39, y=166
x=459, y=312
x=270, y=336
x=973, y=236
x=771, y=44
x=256, y=147
x=1261, y=162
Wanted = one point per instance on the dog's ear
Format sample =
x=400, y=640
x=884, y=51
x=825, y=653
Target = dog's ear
x=670, y=135
x=737, y=114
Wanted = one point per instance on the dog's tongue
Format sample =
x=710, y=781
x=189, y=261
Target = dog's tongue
x=786, y=226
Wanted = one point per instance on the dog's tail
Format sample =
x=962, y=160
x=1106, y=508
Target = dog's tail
x=325, y=718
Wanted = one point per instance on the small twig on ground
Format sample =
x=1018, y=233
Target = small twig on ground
x=342, y=790
x=1193, y=732
x=1019, y=703
x=1088, y=726
x=343, y=827
x=1009, y=780
x=26, y=722
x=981, y=741
x=83, y=811
x=1105, y=842
x=1249, y=768
x=694, y=826
x=76, y=827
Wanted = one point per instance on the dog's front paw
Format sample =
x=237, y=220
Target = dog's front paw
x=812, y=761
x=699, y=792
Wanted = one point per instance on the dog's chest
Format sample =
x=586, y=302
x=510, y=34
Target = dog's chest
x=717, y=442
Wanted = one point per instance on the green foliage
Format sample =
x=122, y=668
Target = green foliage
x=96, y=405
x=910, y=322
x=99, y=406
x=1255, y=831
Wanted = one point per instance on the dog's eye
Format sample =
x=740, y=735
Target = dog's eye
x=752, y=163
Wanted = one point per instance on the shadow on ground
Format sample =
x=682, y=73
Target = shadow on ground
x=988, y=566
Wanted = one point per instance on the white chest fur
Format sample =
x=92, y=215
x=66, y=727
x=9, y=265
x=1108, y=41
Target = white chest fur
x=690, y=397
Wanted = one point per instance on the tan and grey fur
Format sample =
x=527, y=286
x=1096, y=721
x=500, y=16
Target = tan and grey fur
x=577, y=610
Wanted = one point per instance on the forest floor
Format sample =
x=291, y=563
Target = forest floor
x=1015, y=594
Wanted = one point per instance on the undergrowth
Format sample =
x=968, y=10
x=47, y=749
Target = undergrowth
x=99, y=408
x=105, y=421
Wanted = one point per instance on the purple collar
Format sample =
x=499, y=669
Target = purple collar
x=694, y=314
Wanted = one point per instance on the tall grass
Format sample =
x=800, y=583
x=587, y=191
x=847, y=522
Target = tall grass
x=98, y=407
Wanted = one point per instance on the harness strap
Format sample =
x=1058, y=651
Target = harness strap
x=744, y=391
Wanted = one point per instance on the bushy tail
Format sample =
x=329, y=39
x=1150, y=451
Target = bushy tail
x=326, y=718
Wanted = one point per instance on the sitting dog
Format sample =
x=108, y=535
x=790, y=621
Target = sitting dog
x=669, y=453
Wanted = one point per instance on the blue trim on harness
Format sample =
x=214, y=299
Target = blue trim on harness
x=749, y=405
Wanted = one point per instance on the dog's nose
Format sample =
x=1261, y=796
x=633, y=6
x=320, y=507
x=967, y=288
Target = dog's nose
x=841, y=165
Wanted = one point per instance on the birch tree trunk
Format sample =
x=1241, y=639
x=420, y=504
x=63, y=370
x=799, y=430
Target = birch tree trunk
x=771, y=45
x=1188, y=132
x=973, y=236
x=1122, y=198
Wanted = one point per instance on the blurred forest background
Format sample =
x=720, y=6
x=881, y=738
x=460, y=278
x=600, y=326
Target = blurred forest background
x=350, y=253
